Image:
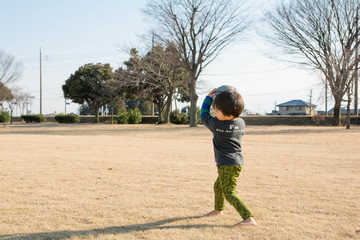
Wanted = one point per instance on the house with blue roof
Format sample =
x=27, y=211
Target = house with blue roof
x=296, y=107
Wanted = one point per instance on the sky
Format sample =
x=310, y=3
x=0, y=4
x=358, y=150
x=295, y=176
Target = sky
x=72, y=33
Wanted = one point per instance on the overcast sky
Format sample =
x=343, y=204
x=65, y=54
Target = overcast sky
x=72, y=33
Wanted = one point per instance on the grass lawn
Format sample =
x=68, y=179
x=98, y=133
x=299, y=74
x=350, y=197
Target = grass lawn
x=91, y=181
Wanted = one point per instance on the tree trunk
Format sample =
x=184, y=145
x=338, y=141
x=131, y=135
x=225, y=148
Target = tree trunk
x=348, y=113
x=97, y=113
x=337, y=111
x=112, y=113
x=11, y=116
x=348, y=110
x=193, y=101
x=168, y=107
x=356, y=93
x=160, y=113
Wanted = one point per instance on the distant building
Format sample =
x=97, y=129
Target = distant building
x=274, y=112
x=343, y=111
x=296, y=107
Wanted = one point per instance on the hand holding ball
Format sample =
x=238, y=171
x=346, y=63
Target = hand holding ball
x=224, y=88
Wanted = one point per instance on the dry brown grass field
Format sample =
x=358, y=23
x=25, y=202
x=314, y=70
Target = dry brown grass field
x=155, y=182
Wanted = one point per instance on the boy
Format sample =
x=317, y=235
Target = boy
x=227, y=129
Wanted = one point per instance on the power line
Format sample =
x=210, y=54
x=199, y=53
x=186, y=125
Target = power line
x=73, y=56
x=81, y=56
x=273, y=93
x=244, y=73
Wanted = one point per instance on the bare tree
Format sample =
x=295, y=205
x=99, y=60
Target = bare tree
x=164, y=72
x=320, y=34
x=18, y=98
x=155, y=76
x=202, y=28
x=25, y=102
x=10, y=70
x=5, y=95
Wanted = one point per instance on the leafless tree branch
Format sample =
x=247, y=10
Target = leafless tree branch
x=10, y=70
x=321, y=34
x=202, y=29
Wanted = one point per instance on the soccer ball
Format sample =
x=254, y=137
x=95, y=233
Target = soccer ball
x=224, y=88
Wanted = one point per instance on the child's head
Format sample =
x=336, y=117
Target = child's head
x=229, y=102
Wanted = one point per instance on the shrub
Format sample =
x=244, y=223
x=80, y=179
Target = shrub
x=134, y=116
x=178, y=118
x=4, y=115
x=187, y=109
x=67, y=118
x=318, y=119
x=33, y=118
x=122, y=117
x=343, y=121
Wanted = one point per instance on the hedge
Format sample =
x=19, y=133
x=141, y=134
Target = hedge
x=33, y=118
x=67, y=118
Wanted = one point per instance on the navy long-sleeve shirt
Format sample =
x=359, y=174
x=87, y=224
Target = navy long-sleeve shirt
x=226, y=136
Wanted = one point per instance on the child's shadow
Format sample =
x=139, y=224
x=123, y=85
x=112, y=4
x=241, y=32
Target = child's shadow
x=110, y=230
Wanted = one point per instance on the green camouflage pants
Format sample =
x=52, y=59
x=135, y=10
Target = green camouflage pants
x=225, y=188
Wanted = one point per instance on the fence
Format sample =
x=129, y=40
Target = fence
x=250, y=120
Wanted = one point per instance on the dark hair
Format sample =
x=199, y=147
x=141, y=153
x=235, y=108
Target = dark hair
x=229, y=103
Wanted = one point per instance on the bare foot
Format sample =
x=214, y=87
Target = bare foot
x=214, y=213
x=247, y=222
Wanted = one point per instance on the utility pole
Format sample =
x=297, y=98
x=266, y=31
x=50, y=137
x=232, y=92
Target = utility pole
x=40, y=85
x=66, y=103
x=275, y=107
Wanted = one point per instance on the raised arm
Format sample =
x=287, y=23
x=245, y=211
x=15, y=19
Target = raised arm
x=205, y=116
